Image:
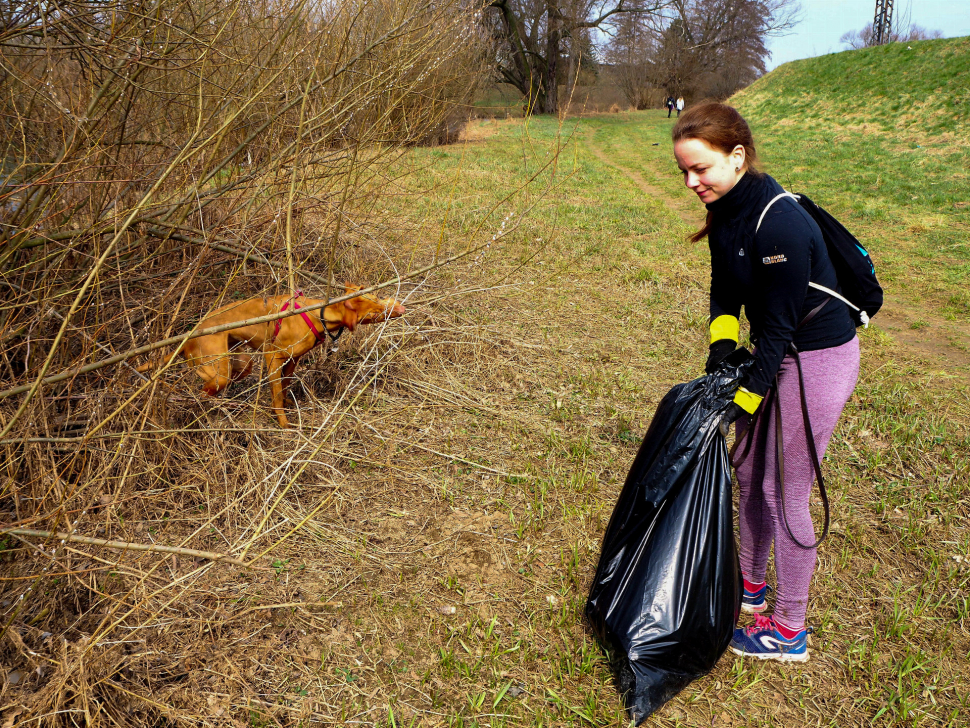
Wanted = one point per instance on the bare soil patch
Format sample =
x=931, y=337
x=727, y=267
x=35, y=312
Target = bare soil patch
x=945, y=343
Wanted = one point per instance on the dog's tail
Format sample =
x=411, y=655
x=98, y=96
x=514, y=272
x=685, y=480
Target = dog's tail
x=148, y=366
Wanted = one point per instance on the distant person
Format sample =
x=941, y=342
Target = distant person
x=680, y=105
x=767, y=270
x=670, y=103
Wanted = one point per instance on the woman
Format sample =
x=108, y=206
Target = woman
x=680, y=105
x=767, y=270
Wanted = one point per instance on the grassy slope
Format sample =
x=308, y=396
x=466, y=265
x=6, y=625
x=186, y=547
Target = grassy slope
x=918, y=87
x=882, y=137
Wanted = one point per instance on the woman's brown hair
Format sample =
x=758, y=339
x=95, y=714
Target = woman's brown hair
x=723, y=128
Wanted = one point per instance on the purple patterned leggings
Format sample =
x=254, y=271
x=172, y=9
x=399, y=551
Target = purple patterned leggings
x=830, y=376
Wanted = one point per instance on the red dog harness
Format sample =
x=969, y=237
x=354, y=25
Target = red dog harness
x=308, y=320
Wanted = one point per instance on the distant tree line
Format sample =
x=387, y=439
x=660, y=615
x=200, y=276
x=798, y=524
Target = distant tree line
x=867, y=37
x=690, y=48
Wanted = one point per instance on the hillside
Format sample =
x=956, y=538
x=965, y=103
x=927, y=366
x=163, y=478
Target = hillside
x=920, y=88
x=881, y=137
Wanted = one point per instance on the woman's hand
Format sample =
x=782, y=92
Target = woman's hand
x=720, y=350
x=732, y=413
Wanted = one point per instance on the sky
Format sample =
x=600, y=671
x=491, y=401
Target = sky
x=824, y=22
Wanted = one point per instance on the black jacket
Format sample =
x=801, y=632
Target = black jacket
x=768, y=274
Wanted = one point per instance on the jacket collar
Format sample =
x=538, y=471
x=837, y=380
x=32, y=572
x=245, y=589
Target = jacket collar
x=738, y=199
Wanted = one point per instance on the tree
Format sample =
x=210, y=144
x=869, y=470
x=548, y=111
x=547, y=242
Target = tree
x=530, y=35
x=865, y=38
x=856, y=39
x=704, y=48
x=633, y=44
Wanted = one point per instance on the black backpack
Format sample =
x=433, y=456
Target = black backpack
x=858, y=287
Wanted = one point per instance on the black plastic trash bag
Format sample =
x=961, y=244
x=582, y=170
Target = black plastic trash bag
x=667, y=591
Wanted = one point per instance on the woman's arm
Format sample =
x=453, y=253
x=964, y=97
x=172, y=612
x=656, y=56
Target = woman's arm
x=725, y=312
x=782, y=266
x=725, y=296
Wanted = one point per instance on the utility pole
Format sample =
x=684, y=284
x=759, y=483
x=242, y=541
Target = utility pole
x=883, y=23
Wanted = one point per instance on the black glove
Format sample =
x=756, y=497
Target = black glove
x=720, y=350
x=733, y=412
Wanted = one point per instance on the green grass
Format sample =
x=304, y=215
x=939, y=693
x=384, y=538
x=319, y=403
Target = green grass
x=608, y=283
x=881, y=137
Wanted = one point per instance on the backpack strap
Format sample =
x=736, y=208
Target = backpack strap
x=768, y=206
x=816, y=463
x=862, y=314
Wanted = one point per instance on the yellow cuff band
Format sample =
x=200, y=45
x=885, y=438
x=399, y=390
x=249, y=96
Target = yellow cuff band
x=748, y=401
x=725, y=327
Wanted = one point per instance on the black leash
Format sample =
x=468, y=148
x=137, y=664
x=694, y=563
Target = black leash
x=772, y=400
x=333, y=339
x=810, y=437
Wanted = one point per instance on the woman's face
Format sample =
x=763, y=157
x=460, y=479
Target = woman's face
x=709, y=172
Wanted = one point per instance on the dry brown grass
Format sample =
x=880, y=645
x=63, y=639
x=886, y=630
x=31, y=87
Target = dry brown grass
x=422, y=543
x=133, y=638
x=139, y=148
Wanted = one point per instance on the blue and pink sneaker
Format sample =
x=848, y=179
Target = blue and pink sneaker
x=754, y=601
x=766, y=642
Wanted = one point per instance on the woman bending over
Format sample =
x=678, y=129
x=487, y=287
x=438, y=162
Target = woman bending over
x=766, y=270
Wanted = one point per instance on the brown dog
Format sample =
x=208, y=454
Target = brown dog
x=282, y=342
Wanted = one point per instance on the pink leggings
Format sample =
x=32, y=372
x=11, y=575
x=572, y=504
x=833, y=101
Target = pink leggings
x=830, y=376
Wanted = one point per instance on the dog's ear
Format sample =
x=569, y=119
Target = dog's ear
x=350, y=288
x=351, y=313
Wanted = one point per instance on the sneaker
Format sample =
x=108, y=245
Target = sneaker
x=755, y=602
x=765, y=642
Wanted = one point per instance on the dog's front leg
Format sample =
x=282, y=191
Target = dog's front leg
x=274, y=367
x=287, y=379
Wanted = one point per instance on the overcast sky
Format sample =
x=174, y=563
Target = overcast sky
x=824, y=22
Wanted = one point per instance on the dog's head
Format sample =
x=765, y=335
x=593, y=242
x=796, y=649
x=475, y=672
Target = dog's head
x=369, y=309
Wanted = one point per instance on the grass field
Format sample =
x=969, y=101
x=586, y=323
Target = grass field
x=440, y=549
x=618, y=301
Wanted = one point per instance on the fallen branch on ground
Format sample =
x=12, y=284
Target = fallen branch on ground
x=124, y=545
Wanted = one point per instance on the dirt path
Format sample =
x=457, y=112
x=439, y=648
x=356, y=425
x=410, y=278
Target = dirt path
x=689, y=216
x=918, y=328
